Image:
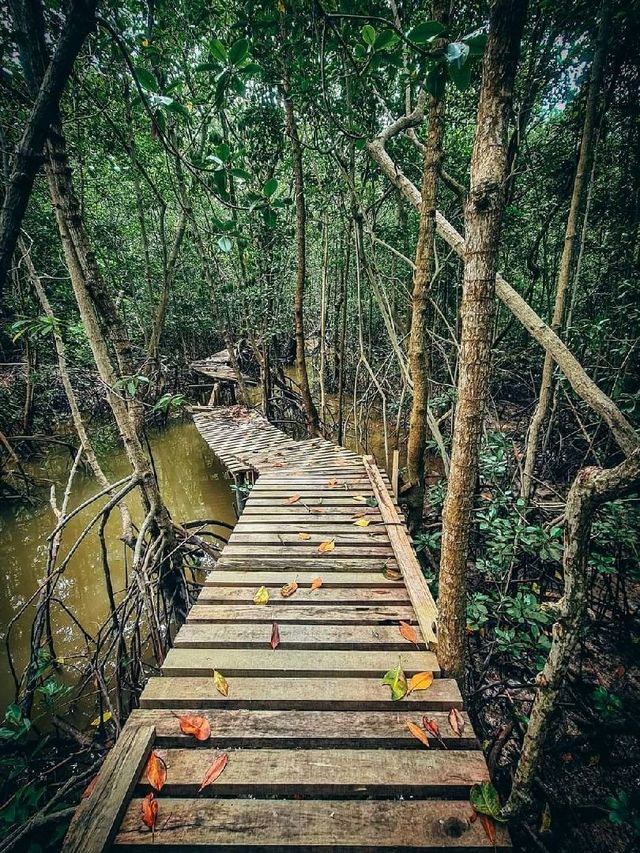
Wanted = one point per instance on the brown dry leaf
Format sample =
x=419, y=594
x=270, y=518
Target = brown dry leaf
x=293, y=499
x=392, y=574
x=431, y=726
x=304, y=536
x=456, y=721
x=214, y=771
x=316, y=583
x=197, y=726
x=275, y=636
x=288, y=589
x=325, y=547
x=156, y=771
x=316, y=510
x=332, y=483
x=489, y=827
x=362, y=522
x=416, y=731
x=221, y=683
x=420, y=681
x=150, y=811
x=261, y=596
x=409, y=632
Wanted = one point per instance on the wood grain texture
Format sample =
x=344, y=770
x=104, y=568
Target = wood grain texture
x=229, y=577
x=378, y=614
x=329, y=596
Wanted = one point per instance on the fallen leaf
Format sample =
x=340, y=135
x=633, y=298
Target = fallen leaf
x=545, y=820
x=409, y=632
x=214, y=771
x=221, y=683
x=103, y=719
x=304, y=536
x=416, y=731
x=275, y=636
x=288, y=589
x=431, y=726
x=397, y=681
x=156, y=771
x=391, y=574
x=362, y=522
x=332, y=483
x=489, y=827
x=293, y=499
x=316, y=510
x=92, y=784
x=316, y=583
x=325, y=547
x=261, y=596
x=420, y=681
x=484, y=799
x=150, y=811
x=197, y=726
x=456, y=721
x=360, y=499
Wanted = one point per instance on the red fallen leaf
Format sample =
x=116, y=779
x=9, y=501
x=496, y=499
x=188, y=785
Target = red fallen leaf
x=275, y=636
x=489, y=827
x=150, y=811
x=214, y=771
x=456, y=721
x=409, y=633
x=431, y=726
x=156, y=771
x=92, y=784
x=293, y=499
x=199, y=727
x=417, y=732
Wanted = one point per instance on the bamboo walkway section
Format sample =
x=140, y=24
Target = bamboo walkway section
x=319, y=756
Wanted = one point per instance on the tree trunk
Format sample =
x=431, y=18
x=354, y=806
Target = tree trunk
x=483, y=219
x=419, y=345
x=311, y=414
x=580, y=184
x=591, y=488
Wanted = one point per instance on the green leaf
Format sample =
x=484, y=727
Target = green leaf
x=238, y=51
x=223, y=151
x=177, y=108
x=484, y=799
x=425, y=32
x=270, y=187
x=461, y=77
x=240, y=174
x=397, y=681
x=368, y=35
x=147, y=80
x=386, y=38
x=359, y=51
x=225, y=244
x=476, y=43
x=359, y=144
x=218, y=50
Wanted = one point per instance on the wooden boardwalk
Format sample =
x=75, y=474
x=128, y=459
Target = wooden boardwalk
x=319, y=756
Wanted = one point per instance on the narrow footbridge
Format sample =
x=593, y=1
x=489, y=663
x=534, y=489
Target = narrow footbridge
x=315, y=753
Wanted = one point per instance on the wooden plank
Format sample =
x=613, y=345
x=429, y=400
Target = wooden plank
x=414, y=579
x=98, y=816
x=331, y=694
x=296, y=563
x=306, y=729
x=223, y=576
x=247, y=663
x=292, y=636
x=317, y=773
x=305, y=595
x=337, y=825
x=304, y=550
x=279, y=534
x=280, y=613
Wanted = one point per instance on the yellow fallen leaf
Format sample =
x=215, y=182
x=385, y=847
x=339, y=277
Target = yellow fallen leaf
x=362, y=522
x=420, y=681
x=325, y=547
x=261, y=596
x=316, y=583
x=416, y=731
x=360, y=499
x=103, y=719
x=221, y=683
x=304, y=536
x=288, y=589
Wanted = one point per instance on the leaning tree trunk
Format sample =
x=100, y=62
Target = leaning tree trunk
x=483, y=219
x=580, y=184
x=591, y=488
x=419, y=359
x=311, y=413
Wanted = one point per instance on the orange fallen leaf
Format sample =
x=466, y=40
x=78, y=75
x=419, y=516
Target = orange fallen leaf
x=156, y=771
x=150, y=811
x=416, y=731
x=362, y=522
x=316, y=510
x=293, y=499
x=275, y=636
x=456, y=721
x=221, y=683
x=316, y=583
x=92, y=784
x=489, y=827
x=325, y=547
x=288, y=589
x=409, y=632
x=391, y=574
x=214, y=771
x=304, y=536
x=197, y=726
x=332, y=483
x=420, y=681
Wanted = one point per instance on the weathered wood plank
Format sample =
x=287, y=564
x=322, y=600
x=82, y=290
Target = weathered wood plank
x=379, y=614
x=255, y=824
x=223, y=576
x=331, y=694
x=292, y=636
x=305, y=595
x=98, y=816
x=247, y=663
x=295, y=563
x=307, y=729
x=302, y=549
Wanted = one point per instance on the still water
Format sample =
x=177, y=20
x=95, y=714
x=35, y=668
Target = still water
x=194, y=486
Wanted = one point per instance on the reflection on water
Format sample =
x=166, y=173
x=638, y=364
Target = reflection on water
x=194, y=486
